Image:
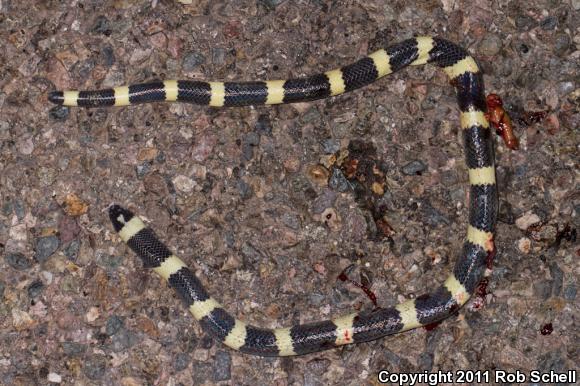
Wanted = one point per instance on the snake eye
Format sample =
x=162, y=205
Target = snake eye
x=119, y=216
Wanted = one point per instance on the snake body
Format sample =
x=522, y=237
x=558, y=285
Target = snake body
x=470, y=267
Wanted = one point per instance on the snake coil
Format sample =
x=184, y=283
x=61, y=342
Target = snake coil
x=470, y=267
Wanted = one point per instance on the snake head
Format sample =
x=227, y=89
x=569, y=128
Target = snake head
x=119, y=216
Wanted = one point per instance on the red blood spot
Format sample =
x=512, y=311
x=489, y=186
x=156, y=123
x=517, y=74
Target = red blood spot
x=567, y=234
x=531, y=117
x=370, y=294
x=480, y=294
x=499, y=118
x=431, y=326
x=481, y=289
x=454, y=307
x=491, y=255
x=547, y=329
x=346, y=336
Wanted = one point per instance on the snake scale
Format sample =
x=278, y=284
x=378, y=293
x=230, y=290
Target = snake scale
x=470, y=266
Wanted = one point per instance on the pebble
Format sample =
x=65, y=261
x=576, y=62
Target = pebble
x=47, y=276
x=73, y=349
x=312, y=115
x=46, y=175
x=271, y=4
x=140, y=55
x=230, y=239
x=318, y=366
x=21, y=320
x=505, y=213
x=549, y=23
x=250, y=140
x=318, y=174
x=449, y=177
x=45, y=247
x=316, y=299
x=524, y=22
x=102, y=26
x=338, y=181
x=25, y=146
x=123, y=340
x=2, y=286
x=203, y=148
x=562, y=44
x=543, y=289
x=311, y=380
x=18, y=261
x=113, y=325
x=107, y=56
x=565, y=88
x=490, y=45
x=528, y=219
x=94, y=367
x=54, y=378
x=323, y=201
x=83, y=68
x=35, y=289
x=222, y=366
x=570, y=292
x=201, y=372
x=218, y=55
x=71, y=251
x=413, y=168
x=557, y=279
x=113, y=78
x=355, y=226
x=68, y=229
x=425, y=361
x=433, y=216
x=181, y=361
x=7, y=208
x=59, y=113
x=250, y=254
x=142, y=169
x=291, y=220
x=245, y=189
x=183, y=184
x=111, y=262
x=206, y=342
x=525, y=245
x=192, y=60
x=330, y=145
x=19, y=209
x=263, y=125
x=551, y=361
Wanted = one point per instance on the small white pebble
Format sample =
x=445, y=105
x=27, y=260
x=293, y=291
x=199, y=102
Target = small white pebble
x=528, y=219
x=54, y=378
x=93, y=314
x=25, y=146
x=47, y=276
x=525, y=245
x=186, y=132
x=183, y=183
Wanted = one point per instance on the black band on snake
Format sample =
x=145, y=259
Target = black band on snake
x=469, y=269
